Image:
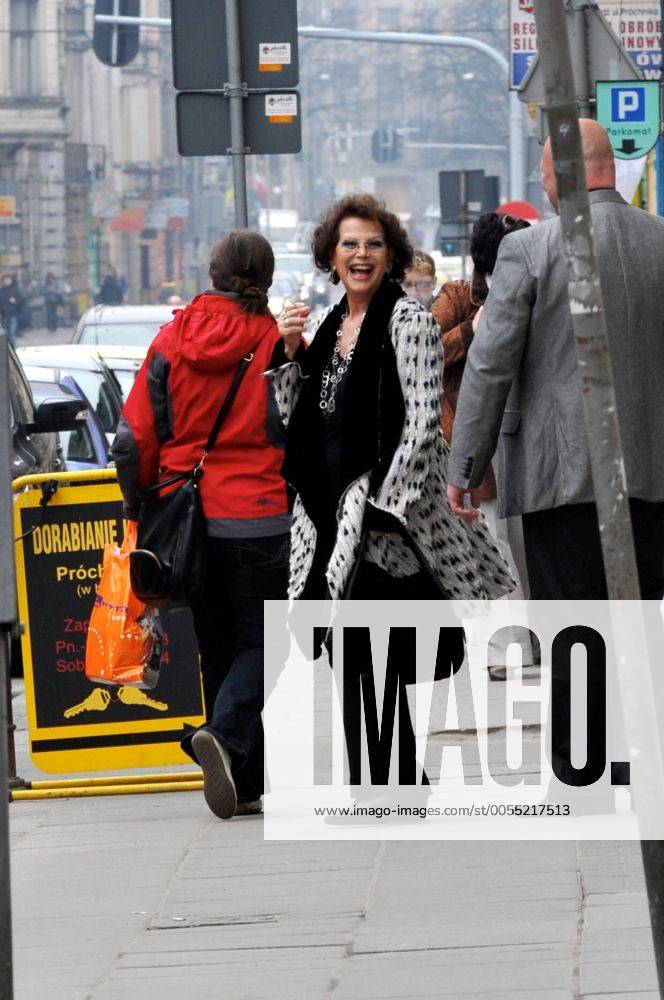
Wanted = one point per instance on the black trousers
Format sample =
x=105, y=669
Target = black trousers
x=373, y=583
x=564, y=559
x=242, y=574
x=564, y=552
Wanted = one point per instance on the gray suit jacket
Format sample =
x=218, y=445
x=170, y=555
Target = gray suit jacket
x=520, y=388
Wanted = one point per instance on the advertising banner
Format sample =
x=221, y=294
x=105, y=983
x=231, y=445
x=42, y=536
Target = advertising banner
x=637, y=25
x=75, y=725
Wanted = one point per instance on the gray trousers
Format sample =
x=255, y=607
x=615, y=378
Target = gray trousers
x=508, y=535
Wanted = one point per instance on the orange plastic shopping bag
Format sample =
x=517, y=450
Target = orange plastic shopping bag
x=124, y=641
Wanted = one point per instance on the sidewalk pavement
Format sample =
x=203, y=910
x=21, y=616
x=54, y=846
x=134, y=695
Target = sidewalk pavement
x=150, y=896
x=36, y=337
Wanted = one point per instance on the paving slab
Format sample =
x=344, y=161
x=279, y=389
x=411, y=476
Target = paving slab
x=146, y=897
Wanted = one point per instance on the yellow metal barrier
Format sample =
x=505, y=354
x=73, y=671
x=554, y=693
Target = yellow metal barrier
x=75, y=792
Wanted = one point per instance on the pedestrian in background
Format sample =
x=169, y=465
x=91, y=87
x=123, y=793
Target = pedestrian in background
x=457, y=310
x=521, y=386
x=363, y=448
x=11, y=305
x=53, y=299
x=164, y=426
x=111, y=292
x=420, y=278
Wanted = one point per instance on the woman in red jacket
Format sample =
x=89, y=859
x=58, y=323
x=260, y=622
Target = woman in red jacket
x=163, y=429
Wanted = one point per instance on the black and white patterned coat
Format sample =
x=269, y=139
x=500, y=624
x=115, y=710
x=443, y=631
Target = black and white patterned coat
x=464, y=560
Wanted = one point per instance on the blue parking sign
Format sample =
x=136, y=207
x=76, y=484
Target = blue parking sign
x=630, y=113
x=628, y=104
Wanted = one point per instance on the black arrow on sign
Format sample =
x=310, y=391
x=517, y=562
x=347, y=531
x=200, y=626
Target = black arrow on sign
x=628, y=147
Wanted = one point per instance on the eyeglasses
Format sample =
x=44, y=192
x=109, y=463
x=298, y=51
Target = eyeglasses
x=419, y=286
x=371, y=246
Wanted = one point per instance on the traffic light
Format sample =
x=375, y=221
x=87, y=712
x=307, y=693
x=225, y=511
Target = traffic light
x=386, y=145
x=116, y=44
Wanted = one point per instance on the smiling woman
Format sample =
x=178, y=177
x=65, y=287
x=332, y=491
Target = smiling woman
x=364, y=454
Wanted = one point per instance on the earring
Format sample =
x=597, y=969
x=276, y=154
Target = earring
x=333, y=275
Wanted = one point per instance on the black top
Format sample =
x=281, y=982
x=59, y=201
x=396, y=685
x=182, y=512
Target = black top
x=333, y=440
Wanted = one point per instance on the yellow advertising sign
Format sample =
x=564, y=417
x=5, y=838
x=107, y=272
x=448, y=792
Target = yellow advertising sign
x=75, y=725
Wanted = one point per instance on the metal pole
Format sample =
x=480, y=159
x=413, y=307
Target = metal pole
x=610, y=485
x=516, y=110
x=7, y=620
x=235, y=94
x=465, y=238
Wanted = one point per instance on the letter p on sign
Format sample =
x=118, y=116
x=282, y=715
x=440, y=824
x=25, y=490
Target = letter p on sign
x=628, y=104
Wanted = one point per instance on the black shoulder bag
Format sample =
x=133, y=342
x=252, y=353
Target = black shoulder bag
x=167, y=568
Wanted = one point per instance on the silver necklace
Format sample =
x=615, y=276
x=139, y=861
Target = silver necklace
x=337, y=368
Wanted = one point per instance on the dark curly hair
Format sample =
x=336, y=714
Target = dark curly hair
x=243, y=262
x=361, y=206
x=487, y=235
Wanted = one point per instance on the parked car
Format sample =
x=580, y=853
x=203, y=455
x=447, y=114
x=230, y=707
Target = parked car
x=123, y=362
x=314, y=288
x=124, y=326
x=284, y=286
x=35, y=445
x=87, y=446
x=36, y=449
x=98, y=383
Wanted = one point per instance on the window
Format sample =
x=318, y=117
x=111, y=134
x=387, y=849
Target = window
x=23, y=65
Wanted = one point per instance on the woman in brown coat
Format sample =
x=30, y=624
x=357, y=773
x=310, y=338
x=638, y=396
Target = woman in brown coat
x=457, y=310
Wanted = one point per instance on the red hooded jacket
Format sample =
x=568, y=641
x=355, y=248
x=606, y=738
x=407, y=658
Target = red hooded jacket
x=174, y=402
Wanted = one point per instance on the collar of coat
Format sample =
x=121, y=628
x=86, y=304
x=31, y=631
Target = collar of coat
x=373, y=413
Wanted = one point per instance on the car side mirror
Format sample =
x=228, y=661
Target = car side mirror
x=58, y=415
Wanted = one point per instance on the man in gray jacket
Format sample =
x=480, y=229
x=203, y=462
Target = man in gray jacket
x=521, y=391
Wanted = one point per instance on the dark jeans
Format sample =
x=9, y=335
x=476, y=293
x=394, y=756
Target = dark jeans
x=11, y=326
x=51, y=309
x=564, y=559
x=242, y=574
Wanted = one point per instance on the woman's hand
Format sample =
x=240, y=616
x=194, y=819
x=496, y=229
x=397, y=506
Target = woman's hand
x=292, y=322
x=476, y=319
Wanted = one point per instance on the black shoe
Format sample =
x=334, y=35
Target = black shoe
x=218, y=784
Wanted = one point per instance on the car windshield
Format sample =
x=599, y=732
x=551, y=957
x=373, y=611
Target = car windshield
x=125, y=378
x=100, y=397
x=120, y=334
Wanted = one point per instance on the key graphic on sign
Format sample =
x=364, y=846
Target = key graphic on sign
x=628, y=104
x=97, y=701
x=134, y=696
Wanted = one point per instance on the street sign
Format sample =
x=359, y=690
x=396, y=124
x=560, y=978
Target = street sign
x=637, y=25
x=272, y=123
x=116, y=44
x=605, y=58
x=268, y=44
x=520, y=210
x=73, y=724
x=522, y=40
x=385, y=145
x=463, y=194
x=630, y=113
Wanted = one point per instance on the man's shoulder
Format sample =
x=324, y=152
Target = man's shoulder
x=630, y=214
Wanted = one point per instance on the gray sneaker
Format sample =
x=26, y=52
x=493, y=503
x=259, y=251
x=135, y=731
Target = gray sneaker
x=254, y=808
x=218, y=784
